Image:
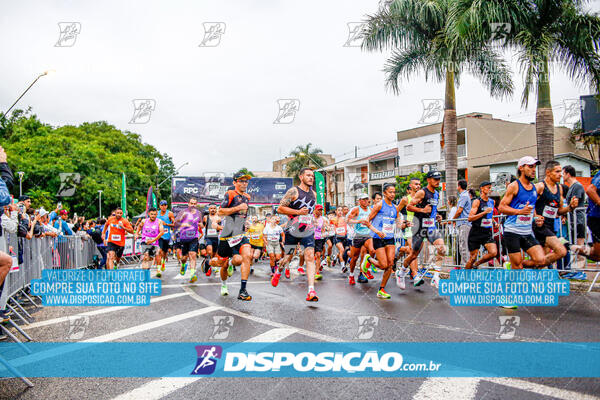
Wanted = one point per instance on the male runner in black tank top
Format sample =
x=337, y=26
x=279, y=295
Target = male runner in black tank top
x=481, y=228
x=548, y=207
x=299, y=203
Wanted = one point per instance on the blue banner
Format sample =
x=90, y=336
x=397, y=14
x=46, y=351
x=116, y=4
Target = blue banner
x=297, y=359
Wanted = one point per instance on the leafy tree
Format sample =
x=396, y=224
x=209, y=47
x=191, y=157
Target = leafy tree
x=591, y=142
x=541, y=31
x=416, y=32
x=98, y=151
x=403, y=181
x=246, y=171
x=304, y=156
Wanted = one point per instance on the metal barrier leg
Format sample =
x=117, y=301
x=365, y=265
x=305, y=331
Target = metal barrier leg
x=15, y=372
x=20, y=308
x=29, y=298
x=18, y=328
x=16, y=313
x=593, y=282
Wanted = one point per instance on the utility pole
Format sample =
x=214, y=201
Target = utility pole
x=335, y=177
x=99, y=203
x=355, y=151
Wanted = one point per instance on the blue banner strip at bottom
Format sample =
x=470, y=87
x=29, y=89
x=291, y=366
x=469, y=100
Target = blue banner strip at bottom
x=302, y=359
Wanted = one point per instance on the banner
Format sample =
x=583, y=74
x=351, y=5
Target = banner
x=124, y=196
x=320, y=188
x=150, y=200
x=262, y=191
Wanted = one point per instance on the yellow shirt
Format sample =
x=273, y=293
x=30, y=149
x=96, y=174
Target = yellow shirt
x=255, y=234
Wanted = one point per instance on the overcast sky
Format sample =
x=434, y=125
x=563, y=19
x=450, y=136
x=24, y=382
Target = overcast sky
x=216, y=104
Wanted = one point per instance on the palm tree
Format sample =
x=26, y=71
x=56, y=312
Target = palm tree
x=246, y=171
x=415, y=31
x=541, y=31
x=304, y=156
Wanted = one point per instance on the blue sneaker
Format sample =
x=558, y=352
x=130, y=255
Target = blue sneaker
x=578, y=276
x=362, y=279
x=425, y=274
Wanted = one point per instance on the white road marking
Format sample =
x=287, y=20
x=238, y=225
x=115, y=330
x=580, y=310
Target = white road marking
x=447, y=388
x=160, y=388
x=540, y=389
x=99, y=311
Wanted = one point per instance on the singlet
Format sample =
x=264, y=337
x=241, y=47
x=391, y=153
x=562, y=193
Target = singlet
x=234, y=224
x=319, y=227
x=385, y=220
x=341, y=228
x=361, y=230
x=151, y=230
x=427, y=220
x=191, y=218
x=165, y=219
x=115, y=234
x=521, y=224
x=210, y=231
x=547, y=205
x=484, y=223
x=303, y=224
x=409, y=214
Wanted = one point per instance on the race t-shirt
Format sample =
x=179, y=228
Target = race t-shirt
x=272, y=233
x=255, y=234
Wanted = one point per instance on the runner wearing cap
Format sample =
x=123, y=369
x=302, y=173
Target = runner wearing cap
x=233, y=243
x=358, y=217
x=519, y=204
x=424, y=205
x=168, y=219
x=480, y=234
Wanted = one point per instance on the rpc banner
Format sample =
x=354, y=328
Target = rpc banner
x=262, y=191
x=298, y=359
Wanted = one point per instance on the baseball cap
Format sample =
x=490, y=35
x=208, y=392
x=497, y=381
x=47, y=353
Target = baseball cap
x=528, y=160
x=485, y=183
x=42, y=212
x=163, y=203
x=24, y=197
x=363, y=196
x=64, y=212
x=318, y=207
x=241, y=175
x=434, y=175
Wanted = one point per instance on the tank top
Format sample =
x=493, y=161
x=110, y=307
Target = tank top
x=547, y=205
x=303, y=224
x=484, y=223
x=361, y=230
x=151, y=229
x=319, y=227
x=409, y=214
x=427, y=220
x=341, y=229
x=165, y=218
x=210, y=231
x=521, y=224
x=385, y=220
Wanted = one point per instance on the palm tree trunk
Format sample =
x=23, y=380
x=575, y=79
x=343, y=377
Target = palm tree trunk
x=544, y=121
x=450, y=136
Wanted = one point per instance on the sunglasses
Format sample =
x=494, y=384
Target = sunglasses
x=242, y=181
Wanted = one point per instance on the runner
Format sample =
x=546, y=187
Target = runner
x=168, y=220
x=480, y=216
x=152, y=231
x=321, y=224
x=593, y=221
x=376, y=198
x=298, y=203
x=382, y=221
x=233, y=244
x=255, y=235
x=330, y=236
x=273, y=233
x=114, y=237
x=548, y=207
x=341, y=230
x=519, y=203
x=212, y=223
x=188, y=225
x=414, y=185
x=424, y=205
x=359, y=218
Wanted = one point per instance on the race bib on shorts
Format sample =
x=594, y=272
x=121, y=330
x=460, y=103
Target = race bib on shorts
x=234, y=241
x=524, y=219
x=486, y=223
x=428, y=222
x=340, y=231
x=305, y=219
x=187, y=234
x=116, y=238
x=388, y=229
x=550, y=212
x=211, y=232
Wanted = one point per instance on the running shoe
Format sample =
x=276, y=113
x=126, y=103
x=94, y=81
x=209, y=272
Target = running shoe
x=183, y=269
x=506, y=265
x=578, y=276
x=373, y=268
x=400, y=281
x=224, y=290
x=344, y=268
x=510, y=307
x=426, y=274
x=230, y=269
x=318, y=277
x=251, y=271
x=351, y=280
x=275, y=279
x=162, y=264
x=158, y=274
x=419, y=279
x=287, y=273
x=209, y=271
x=205, y=265
x=364, y=265
x=301, y=271
x=194, y=277
x=435, y=281
x=312, y=296
x=368, y=275
x=243, y=295
x=362, y=279
x=323, y=263
x=382, y=294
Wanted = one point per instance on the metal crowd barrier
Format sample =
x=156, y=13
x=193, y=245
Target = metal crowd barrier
x=30, y=257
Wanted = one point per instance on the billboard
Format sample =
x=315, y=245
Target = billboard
x=210, y=189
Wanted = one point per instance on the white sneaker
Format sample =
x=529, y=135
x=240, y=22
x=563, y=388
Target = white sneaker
x=400, y=282
x=344, y=267
x=435, y=281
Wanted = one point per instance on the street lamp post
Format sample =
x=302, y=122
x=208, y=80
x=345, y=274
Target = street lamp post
x=99, y=203
x=26, y=90
x=21, y=173
x=173, y=174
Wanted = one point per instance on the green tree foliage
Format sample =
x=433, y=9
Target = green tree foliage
x=304, y=156
x=403, y=181
x=246, y=171
x=98, y=151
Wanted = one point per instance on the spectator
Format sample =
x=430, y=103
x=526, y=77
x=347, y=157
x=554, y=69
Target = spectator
x=10, y=218
x=47, y=228
x=6, y=184
x=95, y=232
x=463, y=226
x=61, y=224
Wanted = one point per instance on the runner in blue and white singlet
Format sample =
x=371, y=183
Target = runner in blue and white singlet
x=358, y=218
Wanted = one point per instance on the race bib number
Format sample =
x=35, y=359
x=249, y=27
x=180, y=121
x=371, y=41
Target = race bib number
x=116, y=238
x=550, y=212
x=340, y=231
x=187, y=234
x=234, y=241
x=255, y=236
x=486, y=223
x=428, y=222
x=211, y=232
x=524, y=219
x=15, y=264
x=305, y=219
x=272, y=238
x=388, y=229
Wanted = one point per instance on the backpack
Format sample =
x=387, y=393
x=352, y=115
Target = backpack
x=22, y=227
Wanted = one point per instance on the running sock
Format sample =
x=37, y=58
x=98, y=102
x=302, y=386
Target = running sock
x=243, y=287
x=380, y=287
x=311, y=288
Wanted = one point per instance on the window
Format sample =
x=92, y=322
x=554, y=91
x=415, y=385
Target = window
x=408, y=150
x=428, y=147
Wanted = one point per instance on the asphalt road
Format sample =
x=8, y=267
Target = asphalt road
x=183, y=314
